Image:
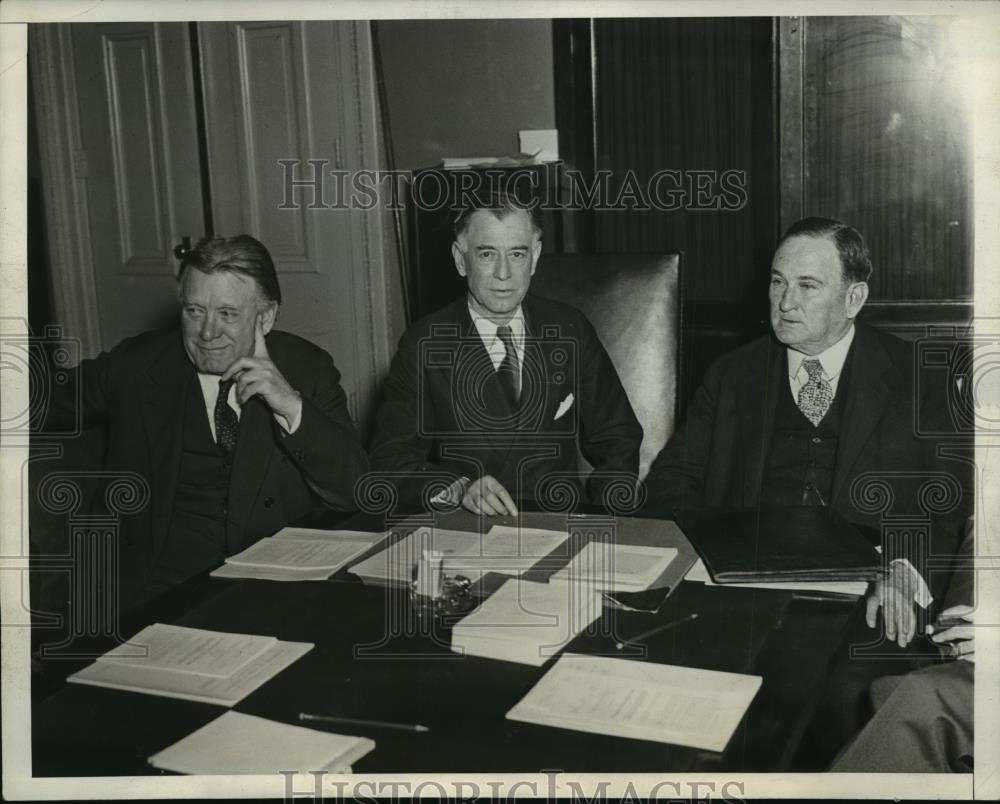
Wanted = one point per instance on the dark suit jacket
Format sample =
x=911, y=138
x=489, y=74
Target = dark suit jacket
x=137, y=392
x=445, y=413
x=719, y=456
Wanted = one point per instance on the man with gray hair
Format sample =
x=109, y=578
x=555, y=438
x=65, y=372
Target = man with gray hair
x=496, y=395
x=239, y=429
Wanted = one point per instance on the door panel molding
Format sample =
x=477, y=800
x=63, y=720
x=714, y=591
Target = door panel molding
x=138, y=163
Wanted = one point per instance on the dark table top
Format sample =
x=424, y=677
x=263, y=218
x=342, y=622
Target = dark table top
x=367, y=664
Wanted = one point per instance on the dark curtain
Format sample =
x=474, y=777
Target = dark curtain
x=692, y=96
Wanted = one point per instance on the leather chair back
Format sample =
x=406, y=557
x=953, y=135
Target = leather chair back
x=634, y=303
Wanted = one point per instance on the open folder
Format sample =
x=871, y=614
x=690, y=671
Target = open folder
x=806, y=543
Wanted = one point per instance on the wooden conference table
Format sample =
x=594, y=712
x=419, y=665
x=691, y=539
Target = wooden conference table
x=365, y=666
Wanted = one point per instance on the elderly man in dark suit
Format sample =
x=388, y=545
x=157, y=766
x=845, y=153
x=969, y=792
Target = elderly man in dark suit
x=794, y=418
x=492, y=399
x=238, y=429
x=806, y=416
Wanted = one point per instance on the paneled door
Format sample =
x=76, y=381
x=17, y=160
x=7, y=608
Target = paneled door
x=138, y=156
x=292, y=101
x=134, y=163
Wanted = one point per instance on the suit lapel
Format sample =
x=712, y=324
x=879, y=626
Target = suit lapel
x=757, y=414
x=865, y=404
x=254, y=453
x=162, y=394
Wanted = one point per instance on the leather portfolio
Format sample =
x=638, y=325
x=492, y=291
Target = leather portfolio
x=806, y=543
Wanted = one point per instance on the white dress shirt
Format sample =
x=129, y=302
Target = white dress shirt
x=832, y=361
x=488, y=332
x=210, y=390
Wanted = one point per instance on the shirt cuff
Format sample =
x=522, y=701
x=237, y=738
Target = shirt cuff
x=922, y=596
x=443, y=497
x=289, y=428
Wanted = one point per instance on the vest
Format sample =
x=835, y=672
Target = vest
x=802, y=457
x=196, y=539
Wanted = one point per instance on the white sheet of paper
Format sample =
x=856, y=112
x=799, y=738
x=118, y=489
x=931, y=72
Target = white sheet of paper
x=174, y=648
x=699, y=574
x=641, y=700
x=192, y=687
x=617, y=567
x=526, y=621
x=239, y=743
x=319, y=534
x=505, y=550
x=287, y=553
x=234, y=571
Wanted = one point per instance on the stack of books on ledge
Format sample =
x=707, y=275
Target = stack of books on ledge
x=209, y=666
x=506, y=161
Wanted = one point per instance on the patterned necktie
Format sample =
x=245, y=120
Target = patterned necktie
x=816, y=395
x=227, y=426
x=508, y=372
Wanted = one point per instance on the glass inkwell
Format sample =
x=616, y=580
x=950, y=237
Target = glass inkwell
x=434, y=593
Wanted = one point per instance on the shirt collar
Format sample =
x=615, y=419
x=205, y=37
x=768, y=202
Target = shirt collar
x=832, y=359
x=488, y=330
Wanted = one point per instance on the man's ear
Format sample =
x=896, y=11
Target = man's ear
x=857, y=295
x=269, y=314
x=536, y=252
x=459, y=256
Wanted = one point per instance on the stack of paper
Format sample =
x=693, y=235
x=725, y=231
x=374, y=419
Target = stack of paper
x=238, y=743
x=641, y=700
x=177, y=662
x=617, y=567
x=526, y=622
x=298, y=554
x=511, y=160
x=507, y=550
x=699, y=574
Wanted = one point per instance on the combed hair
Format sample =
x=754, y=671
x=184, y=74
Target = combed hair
x=241, y=254
x=855, y=259
x=500, y=205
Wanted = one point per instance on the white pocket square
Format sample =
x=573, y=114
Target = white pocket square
x=565, y=405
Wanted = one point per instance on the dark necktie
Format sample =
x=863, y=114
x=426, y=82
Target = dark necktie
x=227, y=426
x=508, y=372
x=816, y=395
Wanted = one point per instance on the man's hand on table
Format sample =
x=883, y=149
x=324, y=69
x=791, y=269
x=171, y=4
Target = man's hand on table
x=488, y=496
x=894, y=594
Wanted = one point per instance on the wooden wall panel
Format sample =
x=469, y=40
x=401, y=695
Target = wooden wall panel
x=888, y=148
x=137, y=148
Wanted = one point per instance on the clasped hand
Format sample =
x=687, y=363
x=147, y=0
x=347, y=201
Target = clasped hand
x=257, y=375
x=957, y=630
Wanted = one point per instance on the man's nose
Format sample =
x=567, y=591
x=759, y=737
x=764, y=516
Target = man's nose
x=788, y=300
x=209, y=329
x=501, y=270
